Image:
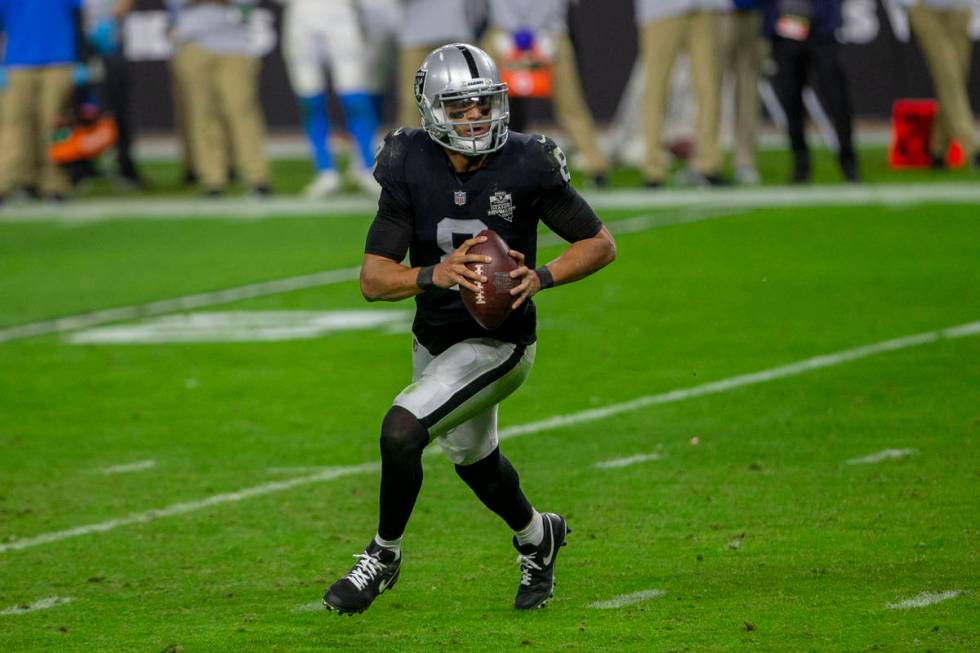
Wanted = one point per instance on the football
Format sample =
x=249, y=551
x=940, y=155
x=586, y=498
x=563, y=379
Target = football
x=491, y=306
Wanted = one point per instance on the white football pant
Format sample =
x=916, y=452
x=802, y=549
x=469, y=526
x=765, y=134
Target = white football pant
x=455, y=394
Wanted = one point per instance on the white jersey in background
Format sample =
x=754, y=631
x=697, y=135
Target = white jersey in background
x=320, y=34
x=218, y=28
x=538, y=15
x=428, y=22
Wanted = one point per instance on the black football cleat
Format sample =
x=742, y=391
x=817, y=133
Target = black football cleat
x=376, y=571
x=538, y=564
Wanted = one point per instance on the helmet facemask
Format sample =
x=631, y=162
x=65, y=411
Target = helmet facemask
x=443, y=117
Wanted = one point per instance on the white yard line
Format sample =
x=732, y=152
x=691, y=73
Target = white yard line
x=310, y=607
x=128, y=467
x=627, y=599
x=560, y=421
x=189, y=506
x=86, y=320
x=243, y=208
x=41, y=604
x=640, y=223
x=301, y=469
x=617, y=463
x=923, y=599
x=887, y=454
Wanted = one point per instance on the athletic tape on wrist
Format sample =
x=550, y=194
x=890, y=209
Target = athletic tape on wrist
x=544, y=275
x=424, y=280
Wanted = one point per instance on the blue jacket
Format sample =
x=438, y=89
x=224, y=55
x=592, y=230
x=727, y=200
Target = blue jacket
x=826, y=18
x=40, y=32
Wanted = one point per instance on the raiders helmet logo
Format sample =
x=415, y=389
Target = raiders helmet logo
x=419, y=83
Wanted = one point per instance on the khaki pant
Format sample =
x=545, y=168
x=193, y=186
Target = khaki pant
x=181, y=116
x=409, y=60
x=571, y=112
x=221, y=96
x=944, y=38
x=742, y=55
x=660, y=41
x=33, y=101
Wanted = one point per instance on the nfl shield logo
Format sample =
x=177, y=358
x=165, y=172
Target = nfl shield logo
x=459, y=197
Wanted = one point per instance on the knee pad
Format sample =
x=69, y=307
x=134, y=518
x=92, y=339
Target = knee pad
x=402, y=435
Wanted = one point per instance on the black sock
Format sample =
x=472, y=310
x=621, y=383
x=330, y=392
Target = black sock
x=403, y=438
x=496, y=483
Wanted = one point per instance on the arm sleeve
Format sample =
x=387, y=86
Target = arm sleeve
x=568, y=214
x=391, y=231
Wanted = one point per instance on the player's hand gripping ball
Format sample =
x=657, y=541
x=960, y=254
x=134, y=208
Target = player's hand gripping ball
x=492, y=305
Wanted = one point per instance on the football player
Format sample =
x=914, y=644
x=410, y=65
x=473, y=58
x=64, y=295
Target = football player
x=441, y=185
x=318, y=34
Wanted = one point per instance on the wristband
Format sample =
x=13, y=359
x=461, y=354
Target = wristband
x=544, y=276
x=424, y=280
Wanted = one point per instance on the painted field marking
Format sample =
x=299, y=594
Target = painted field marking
x=626, y=462
x=239, y=293
x=128, y=467
x=244, y=326
x=627, y=599
x=289, y=284
x=559, y=421
x=185, y=507
x=41, y=604
x=641, y=223
x=301, y=469
x=311, y=607
x=877, y=457
x=243, y=208
x=742, y=380
x=923, y=599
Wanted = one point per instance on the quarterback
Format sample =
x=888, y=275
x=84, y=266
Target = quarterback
x=464, y=172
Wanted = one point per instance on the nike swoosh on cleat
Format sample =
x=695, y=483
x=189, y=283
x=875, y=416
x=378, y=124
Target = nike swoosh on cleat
x=551, y=552
x=383, y=585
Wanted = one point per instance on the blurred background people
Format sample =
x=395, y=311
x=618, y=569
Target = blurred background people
x=218, y=79
x=529, y=40
x=666, y=27
x=425, y=25
x=942, y=30
x=103, y=19
x=42, y=50
x=805, y=48
x=317, y=35
x=742, y=56
x=178, y=97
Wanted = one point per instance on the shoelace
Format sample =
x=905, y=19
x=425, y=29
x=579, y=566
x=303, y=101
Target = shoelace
x=367, y=567
x=528, y=566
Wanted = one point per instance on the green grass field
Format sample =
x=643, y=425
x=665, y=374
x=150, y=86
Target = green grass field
x=746, y=524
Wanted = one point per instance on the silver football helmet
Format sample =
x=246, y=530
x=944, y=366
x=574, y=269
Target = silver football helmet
x=452, y=80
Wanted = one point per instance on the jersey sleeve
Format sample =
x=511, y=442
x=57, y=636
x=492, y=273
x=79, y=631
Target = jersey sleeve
x=548, y=162
x=567, y=213
x=391, y=231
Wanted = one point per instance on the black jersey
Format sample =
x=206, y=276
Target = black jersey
x=426, y=209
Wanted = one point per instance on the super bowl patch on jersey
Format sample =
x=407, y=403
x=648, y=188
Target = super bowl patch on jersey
x=502, y=206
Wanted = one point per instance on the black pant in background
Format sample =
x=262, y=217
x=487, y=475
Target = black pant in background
x=796, y=62
x=115, y=97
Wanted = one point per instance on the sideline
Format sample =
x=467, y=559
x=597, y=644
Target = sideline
x=244, y=208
